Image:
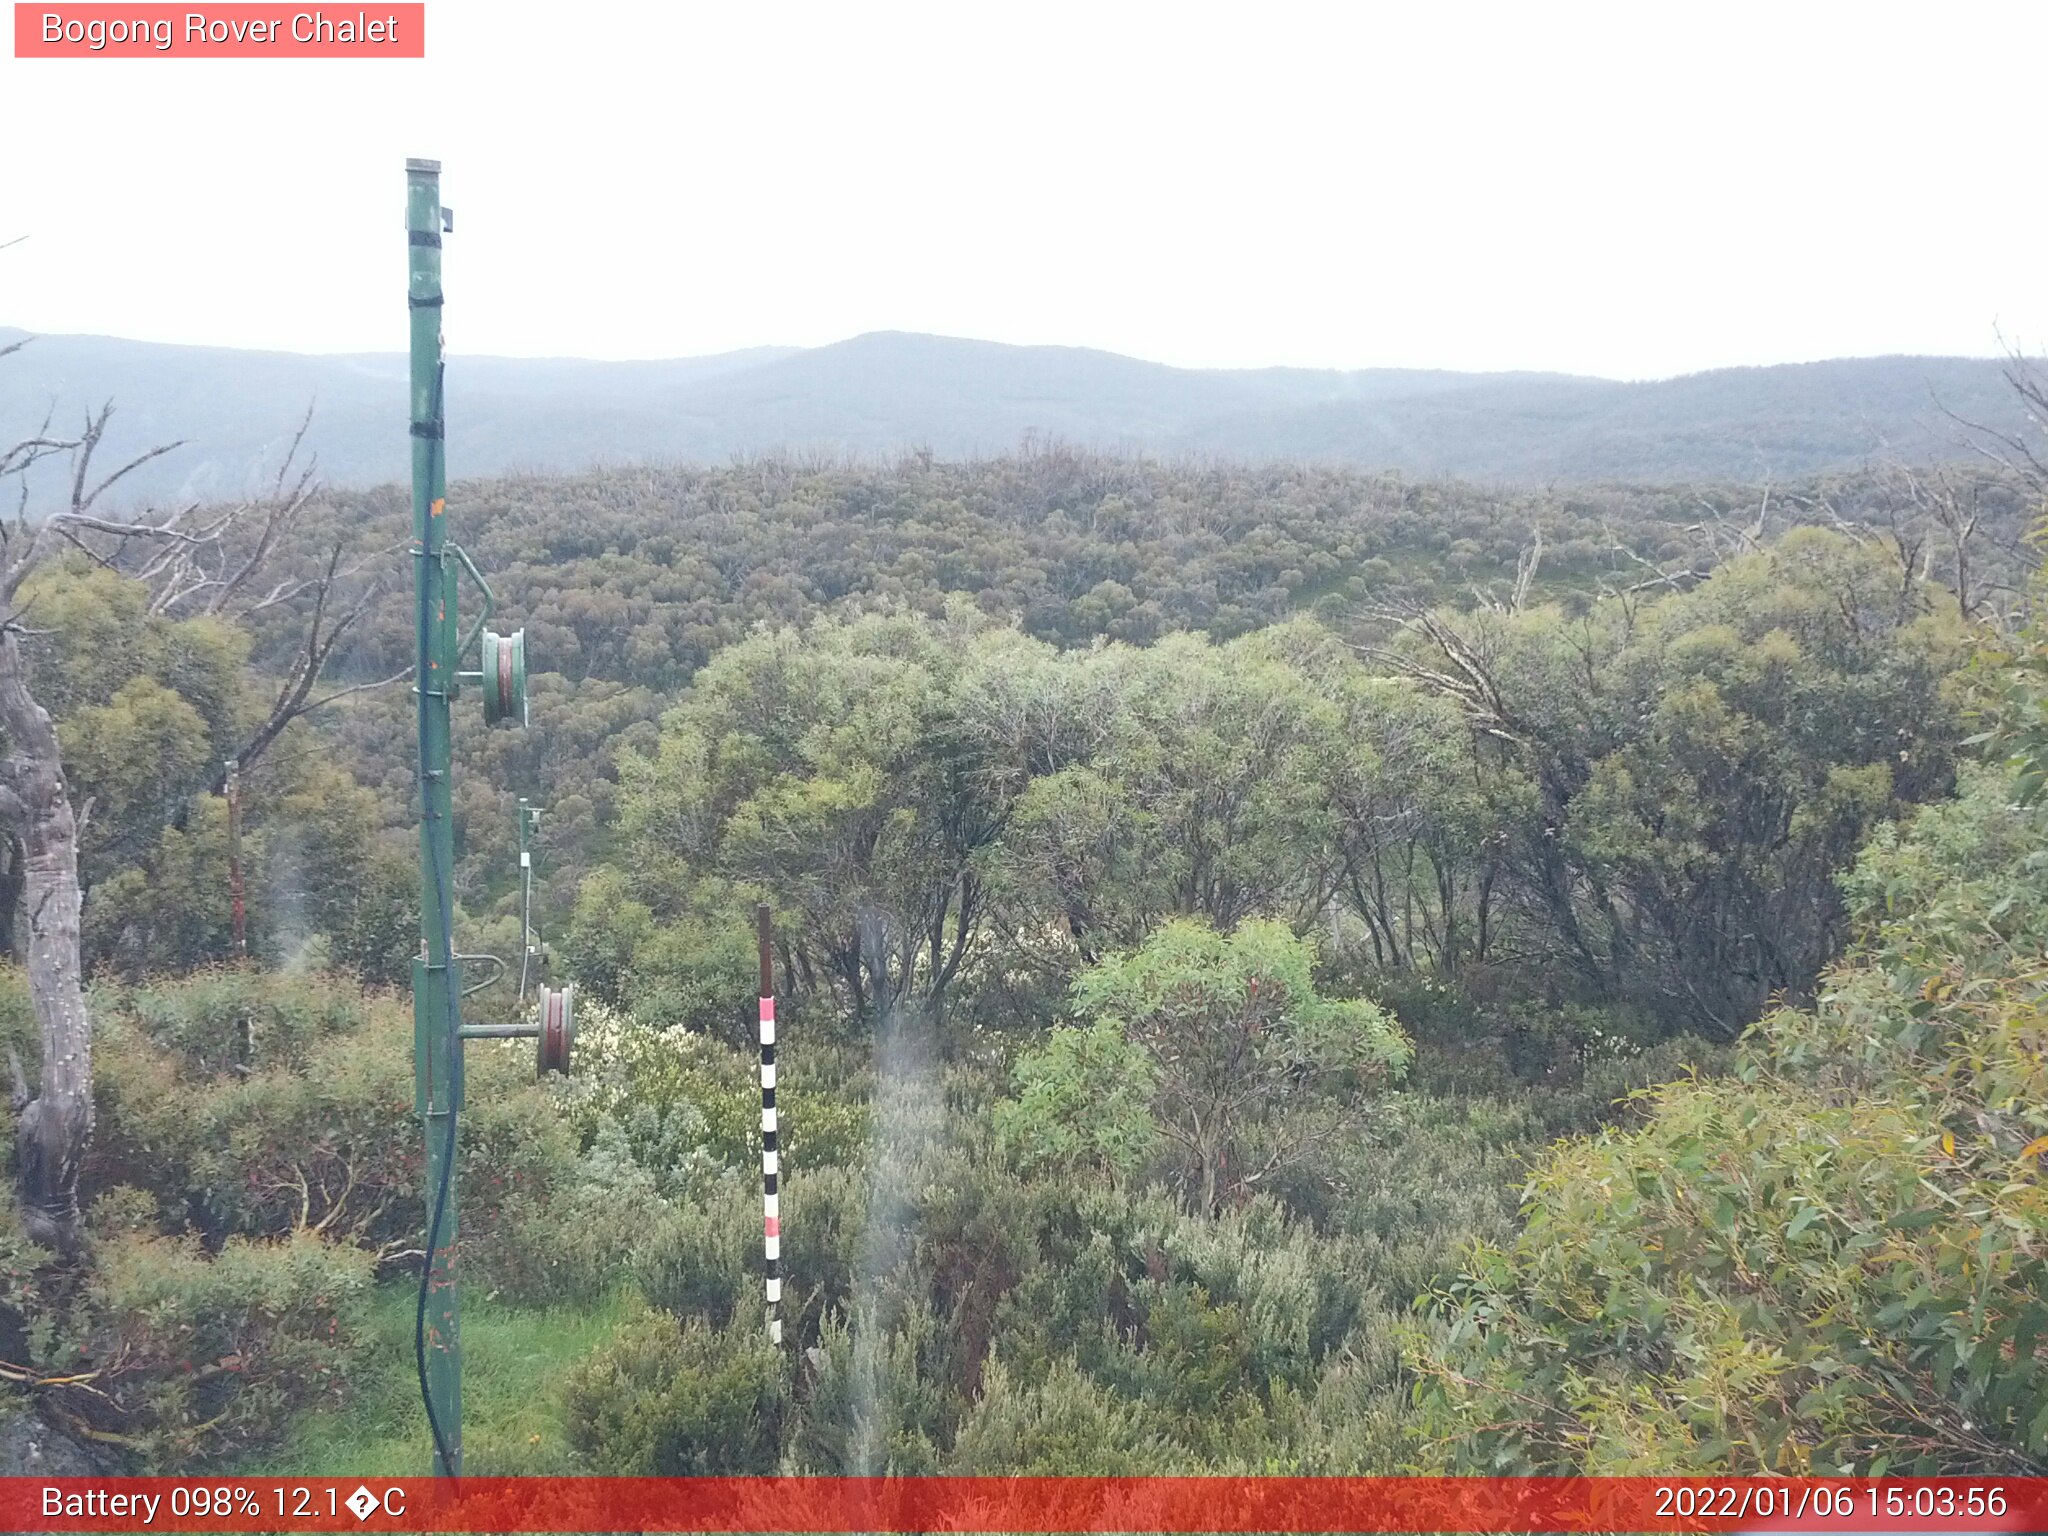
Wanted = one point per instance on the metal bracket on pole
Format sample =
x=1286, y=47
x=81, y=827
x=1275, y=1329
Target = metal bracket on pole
x=490, y=601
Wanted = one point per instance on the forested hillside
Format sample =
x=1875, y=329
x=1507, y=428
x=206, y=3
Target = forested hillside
x=877, y=396
x=1224, y=913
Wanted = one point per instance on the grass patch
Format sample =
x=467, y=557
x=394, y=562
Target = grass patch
x=514, y=1360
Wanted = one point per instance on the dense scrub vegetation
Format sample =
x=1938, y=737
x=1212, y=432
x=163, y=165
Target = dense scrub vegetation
x=1827, y=1261
x=1643, y=805
x=1205, y=899
x=629, y=581
x=638, y=576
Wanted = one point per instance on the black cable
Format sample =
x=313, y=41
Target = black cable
x=446, y=904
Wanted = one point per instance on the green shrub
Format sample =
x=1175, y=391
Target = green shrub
x=1356, y=1422
x=321, y=1139
x=680, y=1097
x=326, y=1143
x=698, y=972
x=571, y=1246
x=1251, y=1065
x=1197, y=1355
x=1256, y=1260
x=702, y=1259
x=1083, y=1104
x=877, y=1402
x=1828, y=1261
x=123, y=1210
x=974, y=1227
x=824, y=1225
x=373, y=920
x=1065, y=1426
x=667, y=1142
x=673, y=1399
x=210, y=1359
x=230, y=1019
x=19, y=1031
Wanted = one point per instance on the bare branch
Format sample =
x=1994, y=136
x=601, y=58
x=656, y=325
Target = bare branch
x=342, y=693
x=285, y=507
x=24, y=453
x=78, y=507
x=167, y=531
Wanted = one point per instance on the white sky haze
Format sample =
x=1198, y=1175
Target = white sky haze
x=1635, y=190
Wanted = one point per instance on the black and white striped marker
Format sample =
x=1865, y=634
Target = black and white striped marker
x=771, y=1157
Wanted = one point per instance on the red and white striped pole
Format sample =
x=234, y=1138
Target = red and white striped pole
x=771, y=1220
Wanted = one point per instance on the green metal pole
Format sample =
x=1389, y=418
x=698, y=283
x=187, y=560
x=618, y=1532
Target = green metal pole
x=436, y=982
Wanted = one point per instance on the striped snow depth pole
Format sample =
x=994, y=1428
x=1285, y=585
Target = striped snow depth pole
x=771, y=1157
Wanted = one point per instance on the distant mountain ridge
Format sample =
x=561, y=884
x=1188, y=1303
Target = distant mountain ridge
x=888, y=392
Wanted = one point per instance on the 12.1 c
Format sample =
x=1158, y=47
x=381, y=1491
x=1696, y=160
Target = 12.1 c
x=302, y=1503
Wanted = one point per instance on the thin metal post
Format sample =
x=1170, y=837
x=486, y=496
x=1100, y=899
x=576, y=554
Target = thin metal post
x=529, y=940
x=236, y=904
x=771, y=1156
x=437, y=983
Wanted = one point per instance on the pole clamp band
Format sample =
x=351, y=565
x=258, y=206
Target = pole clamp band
x=433, y=303
x=423, y=237
x=427, y=429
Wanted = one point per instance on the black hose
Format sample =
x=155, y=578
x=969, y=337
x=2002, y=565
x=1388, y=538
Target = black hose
x=419, y=1338
x=445, y=902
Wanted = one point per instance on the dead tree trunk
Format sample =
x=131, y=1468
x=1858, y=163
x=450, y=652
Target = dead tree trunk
x=54, y=1127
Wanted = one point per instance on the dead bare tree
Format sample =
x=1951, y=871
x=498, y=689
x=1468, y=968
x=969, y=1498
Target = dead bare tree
x=1719, y=537
x=2021, y=451
x=1952, y=500
x=1921, y=504
x=220, y=571
x=1527, y=564
x=54, y=1123
x=192, y=561
x=328, y=619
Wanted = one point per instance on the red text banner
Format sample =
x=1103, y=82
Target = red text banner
x=1065, y=1504
x=227, y=31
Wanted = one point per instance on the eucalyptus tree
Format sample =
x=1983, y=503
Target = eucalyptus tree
x=1199, y=787
x=831, y=772
x=1251, y=1066
x=1703, y=765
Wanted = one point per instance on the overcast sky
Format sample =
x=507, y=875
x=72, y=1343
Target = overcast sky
x=1636, y=191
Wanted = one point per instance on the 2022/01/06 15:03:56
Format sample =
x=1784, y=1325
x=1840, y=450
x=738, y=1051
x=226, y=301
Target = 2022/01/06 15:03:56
x=1796, y=1502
